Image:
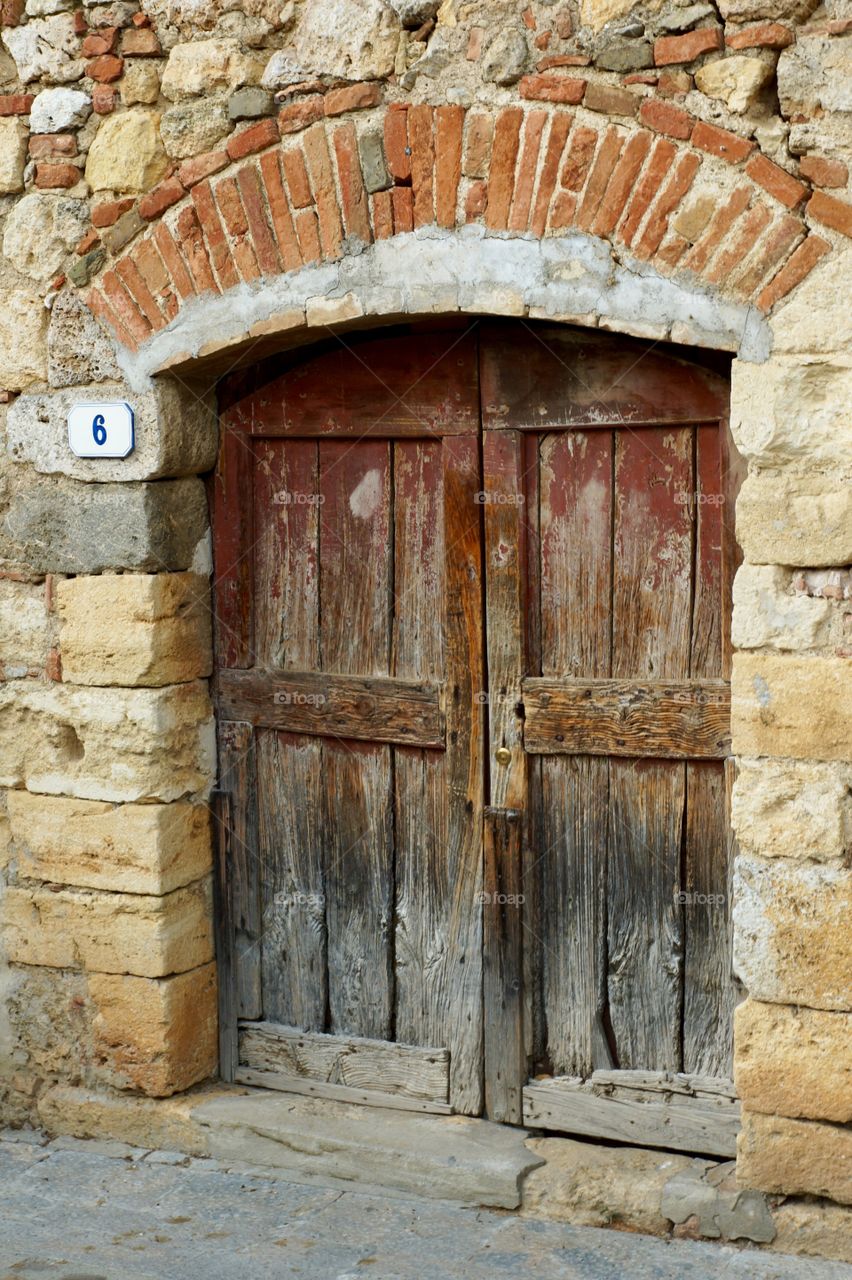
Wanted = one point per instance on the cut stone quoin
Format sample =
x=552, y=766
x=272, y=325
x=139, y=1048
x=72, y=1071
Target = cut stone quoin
x=259, y=218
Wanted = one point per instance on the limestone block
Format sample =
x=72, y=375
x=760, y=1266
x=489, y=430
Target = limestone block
x=140, y=82
x=58, y=110
x=506, y=57
x=13, y=155
x=109, y=932
x=793, y=809
x=168, y=1123
x=106, y=744
x=797, y=707
x=156, y=1035
x=46, y=48
x=814, y=1228
x=748, y=10
x=78, y=349
x=127, y=153
x=816, y=317
x=205, y=66
x=792, y=942
x=67, y=527
x=128, y=848
x=795, y=1157
x=768, y=615
x=41, y=231
x=135, y=629
x=24, y=628
x=597, y=13
x=50, y=1022
x=815, y=76
x=357, y=39
x=793, y=410
x=736, y=81
x=795, y=519
x=176, y=433
x=793, y=1062
x=23, y=329
x=189, y=128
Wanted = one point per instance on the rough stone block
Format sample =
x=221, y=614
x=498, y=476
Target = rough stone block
x=768, y=614
x=795, y=1157
x=167, y=1124
x=109, y=932
x=188, y=128
x=793, y=1062
x=99, y=744
x=813, y=1228
x=817, y=318
x=206, y=66
x=814, y=76
x=63, y=526
x=23, y=329
x=795, y=520
x=134, y=629
x=792, y=410
x=175, y=433
x=41, y=231
x=25, y=632
x=793, y=809
x=792, y=943
x=127, y=153
x=13, y=155
x=797, y=707
x=129, y=848
x=49, y=1023
x=157, y=1035
x=78, y=349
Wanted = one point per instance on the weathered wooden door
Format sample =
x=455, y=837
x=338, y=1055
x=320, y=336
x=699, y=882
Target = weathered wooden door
x=424, y=905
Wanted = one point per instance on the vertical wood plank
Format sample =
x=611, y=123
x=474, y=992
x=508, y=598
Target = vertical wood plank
x=232, y=548
x=224, y=938
x=576, y=571
x=534, y=1022
x=505, y=1051
x=734, y=470
x=651, y=621
x=237, y=778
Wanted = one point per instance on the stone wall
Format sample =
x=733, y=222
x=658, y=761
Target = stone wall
x=187, y=185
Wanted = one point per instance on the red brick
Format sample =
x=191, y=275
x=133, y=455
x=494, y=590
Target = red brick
x=11, y=12
x=141, y=20
x=124, y=307
x=777, y=181
x=528, y=19
x=402, y=200
x=133, y=282
x=90, y=239
x=257, y=137
x=667, y=201
x=52, y=144
x=265, y=248
x=382, y=210
x=662, y=158
x=422, y=142
x=766, y=35
x=233, y=214
x=53, y=665
x=16, y=104
x=192, y=246
x=501, y=179
x=101, y=309
x=562, y=60
x=200, y=167
x=543, y=40
x=621, y=183
x=527, y=169
x=800, y=263
x=298, y=182
x=108, y=213
x=325, y=194
x=721, y=222
x=664, y=117
x=175, y=264
x=353, y=195
x=99, y=42
x=153, y=271
x=824, y=172
x=562, y=211
x=673, y=84
x=353, y=97
x=140, y=42
x=557, y=135
x=750, y=228
x=671, y=250
x=103, y=99
x=57, y=175
x=476, y=200
x=552, y=89
x=839, y=26
x=279, y=209
x=688, y=47
x=720, y=142
x=641, y=77
x=449, y=127
x=105, y=69
x=307, y=231
x=160, y=198
x=397, y=153
x=605, y=162
x=610, y=99
x=477, y=147
x=81, y=25
x=772, y=252
x=831, y=212
x=581, y=149
x=298, y=115
x=474, y=43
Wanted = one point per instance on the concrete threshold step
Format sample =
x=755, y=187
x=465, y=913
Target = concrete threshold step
x=455, y=1158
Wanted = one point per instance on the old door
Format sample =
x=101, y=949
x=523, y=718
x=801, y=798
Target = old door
x=421, y=905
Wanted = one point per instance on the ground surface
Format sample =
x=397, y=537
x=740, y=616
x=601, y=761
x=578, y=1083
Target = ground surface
x=99, y=1211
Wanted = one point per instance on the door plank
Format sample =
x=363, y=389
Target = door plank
x=223, y=927
x=337, y=1092
x=232, y=548
x=505, y=1052
x=687, y=719
x=237, y=777
x=369, y=708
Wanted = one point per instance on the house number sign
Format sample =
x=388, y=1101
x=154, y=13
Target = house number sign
x=101, y=430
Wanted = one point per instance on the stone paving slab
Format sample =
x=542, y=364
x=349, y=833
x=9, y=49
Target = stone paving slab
x=70, y=1211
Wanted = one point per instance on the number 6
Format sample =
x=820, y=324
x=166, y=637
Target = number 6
x=98, y=429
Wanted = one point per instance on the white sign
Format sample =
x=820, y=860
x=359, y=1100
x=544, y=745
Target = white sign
x=101, y=430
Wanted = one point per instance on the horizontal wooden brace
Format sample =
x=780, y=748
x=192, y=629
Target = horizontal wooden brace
x=671, y=720
x=368, y=708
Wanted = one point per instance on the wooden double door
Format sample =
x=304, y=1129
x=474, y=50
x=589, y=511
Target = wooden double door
x=471, y=603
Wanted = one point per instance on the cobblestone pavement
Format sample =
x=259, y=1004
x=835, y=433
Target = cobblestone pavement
x=74, y=1210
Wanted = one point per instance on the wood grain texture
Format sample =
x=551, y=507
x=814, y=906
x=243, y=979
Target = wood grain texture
x=223, y=931
x=336, y=1092
x=687, y=719
x=503, y=936
x=232, y=549
x=237, y=777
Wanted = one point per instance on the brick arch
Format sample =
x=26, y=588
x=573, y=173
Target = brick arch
x=318, y=183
